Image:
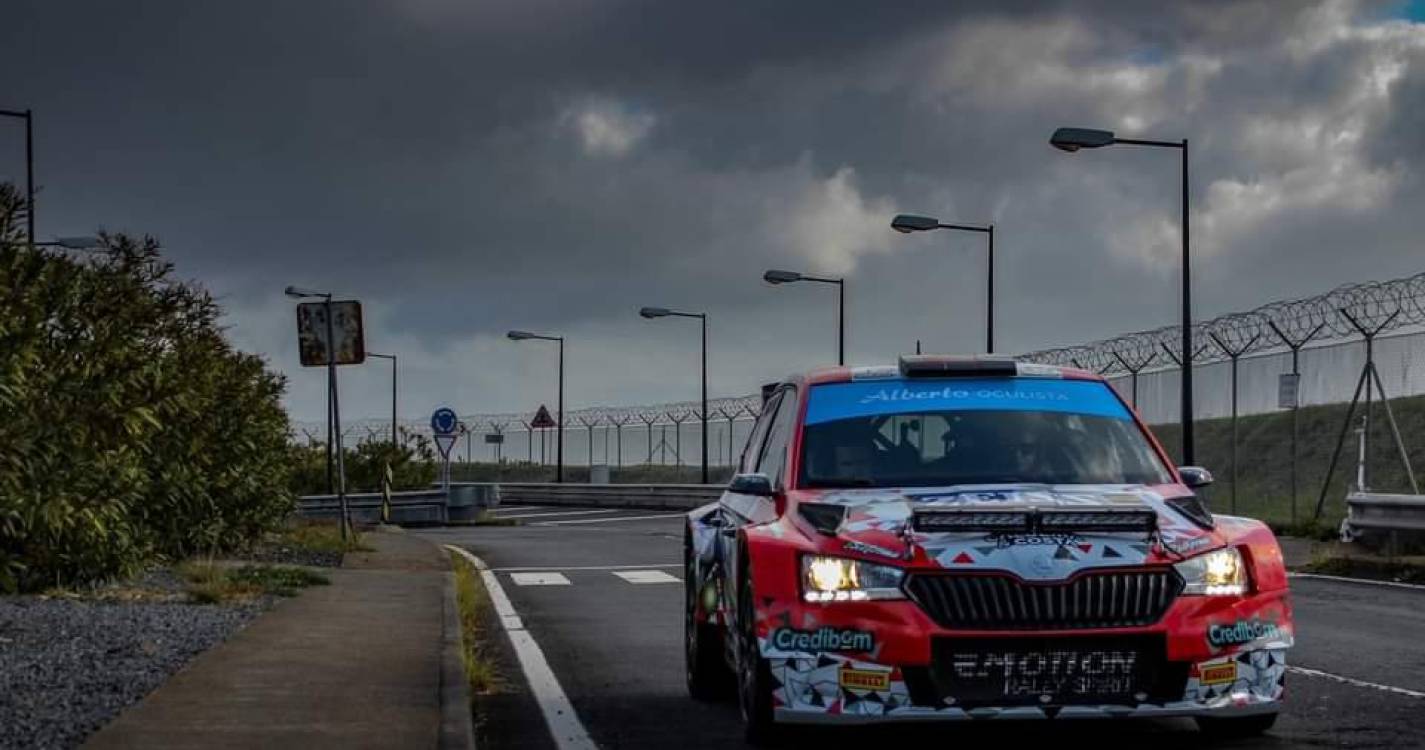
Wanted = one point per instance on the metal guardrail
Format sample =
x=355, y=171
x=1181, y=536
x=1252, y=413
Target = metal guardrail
x=407, y=508
x=1371, y=513
x=647, y=496
x=467, y=499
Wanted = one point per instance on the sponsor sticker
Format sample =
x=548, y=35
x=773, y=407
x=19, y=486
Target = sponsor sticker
x=822, y=639
x=1242, y=631
x=869, y=549
x=1007, y=540
x=865, y=679
x=1218, y=674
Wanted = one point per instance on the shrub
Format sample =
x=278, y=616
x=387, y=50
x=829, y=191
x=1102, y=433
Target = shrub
x=129, y=427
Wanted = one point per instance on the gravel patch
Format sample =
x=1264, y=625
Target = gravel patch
x=67, y=667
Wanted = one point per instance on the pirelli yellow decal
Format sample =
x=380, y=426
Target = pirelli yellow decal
x=1218, y=674
x=865, y=679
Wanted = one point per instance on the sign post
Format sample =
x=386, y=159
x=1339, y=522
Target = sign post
x=329, y=333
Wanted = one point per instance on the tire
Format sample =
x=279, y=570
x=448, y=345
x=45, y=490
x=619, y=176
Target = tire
x=754, y=677
x=707, y=673
x=1235, y=727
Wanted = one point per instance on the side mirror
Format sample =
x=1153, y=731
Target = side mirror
x=1195, y=477
x=751, y=484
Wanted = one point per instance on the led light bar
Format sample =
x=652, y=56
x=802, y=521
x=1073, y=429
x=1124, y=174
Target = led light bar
x=982, y=520
x=1099, y=519
x=967, y=520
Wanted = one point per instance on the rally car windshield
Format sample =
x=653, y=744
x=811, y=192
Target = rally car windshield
x=982, y=431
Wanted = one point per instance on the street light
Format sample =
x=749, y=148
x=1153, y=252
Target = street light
x=1073, y=139
x=391, y=357
x=559, y=443
x=333, y=404
x=907, y=223
x=29, y=117
x=67, y=243
x=663, y=312
x=775, y=277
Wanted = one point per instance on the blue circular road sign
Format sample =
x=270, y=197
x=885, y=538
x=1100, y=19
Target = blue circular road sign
x=444, y=421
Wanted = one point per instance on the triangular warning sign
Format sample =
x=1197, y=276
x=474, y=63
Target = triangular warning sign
x=542, y=418
x=443, y=443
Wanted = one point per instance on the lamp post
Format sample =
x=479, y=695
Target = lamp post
x=334, y=413
x=1073, y=139
x=907, y=223
x=66, y=243
x=559, y=421
x=29, y=117
x=394, y=435
x=788, y=277
x=662, y=312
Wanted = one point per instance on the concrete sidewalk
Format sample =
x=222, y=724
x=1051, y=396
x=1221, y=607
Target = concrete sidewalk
x=365, y=662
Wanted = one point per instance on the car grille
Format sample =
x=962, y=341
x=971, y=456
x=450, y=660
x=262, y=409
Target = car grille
x=1109, y=599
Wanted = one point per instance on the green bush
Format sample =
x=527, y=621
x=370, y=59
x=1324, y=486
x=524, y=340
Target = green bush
x=129, y=428
x=413, y=465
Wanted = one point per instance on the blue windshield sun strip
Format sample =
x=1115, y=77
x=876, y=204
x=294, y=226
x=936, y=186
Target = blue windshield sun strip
x=832, y=401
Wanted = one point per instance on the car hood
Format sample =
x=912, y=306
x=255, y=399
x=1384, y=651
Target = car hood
x=877, y=526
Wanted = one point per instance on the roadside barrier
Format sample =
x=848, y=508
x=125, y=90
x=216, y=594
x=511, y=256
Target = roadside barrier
x=1374, y=516
x=648, y=496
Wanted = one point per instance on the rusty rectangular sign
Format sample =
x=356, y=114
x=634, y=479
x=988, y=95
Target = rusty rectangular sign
x=346, y=326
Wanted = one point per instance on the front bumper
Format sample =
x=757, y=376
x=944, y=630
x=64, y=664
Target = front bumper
x=834, y=689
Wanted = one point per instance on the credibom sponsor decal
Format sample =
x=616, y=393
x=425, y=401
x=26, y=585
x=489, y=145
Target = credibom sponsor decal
x=1242, y=631
x=822, y=639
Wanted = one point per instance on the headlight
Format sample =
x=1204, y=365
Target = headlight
x=837, y=579
x=1219, y=573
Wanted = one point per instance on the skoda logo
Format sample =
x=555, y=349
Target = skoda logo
x=1042, y=564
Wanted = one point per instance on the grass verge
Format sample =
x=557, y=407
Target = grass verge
x=1398, y=571
x=472, y=601
x=322, y=536
x=210, y=583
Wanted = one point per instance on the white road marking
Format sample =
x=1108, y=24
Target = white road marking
x=604, y=520
x=587, y=567
x=539, y=579
x=503, y=508
x=568, y=732
x=1355, y=682
x=646, y=576
x=560, y=513
x=1366, y=581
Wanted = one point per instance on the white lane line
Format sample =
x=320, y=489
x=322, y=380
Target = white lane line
x=587, y=567
x=646, y=576
x=1366, y=581
x=564, y=725
x=560, y=513
x=1355, y=682
x=539, y=579
x=503, y=508
x=604, y=520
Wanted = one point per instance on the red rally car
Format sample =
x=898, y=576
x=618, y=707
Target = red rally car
x=976, y=539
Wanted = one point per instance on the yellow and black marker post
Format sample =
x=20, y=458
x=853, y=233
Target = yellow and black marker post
x=386, y=495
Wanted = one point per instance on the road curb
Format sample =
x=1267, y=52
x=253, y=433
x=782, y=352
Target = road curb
x=457, y=728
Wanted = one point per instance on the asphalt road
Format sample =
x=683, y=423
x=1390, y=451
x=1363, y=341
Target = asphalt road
x=615, y=646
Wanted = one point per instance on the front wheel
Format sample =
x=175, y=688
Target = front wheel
x=754, y=677
x=1237, y=726
x=707, y=673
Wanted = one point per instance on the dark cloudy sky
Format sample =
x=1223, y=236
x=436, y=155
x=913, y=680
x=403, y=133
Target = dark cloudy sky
x=469, y=166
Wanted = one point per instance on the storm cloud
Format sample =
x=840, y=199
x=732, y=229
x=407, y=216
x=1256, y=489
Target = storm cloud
x=465, y=168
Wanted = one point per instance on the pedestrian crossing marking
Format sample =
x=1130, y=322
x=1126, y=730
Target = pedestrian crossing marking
x=539, y=579
x=646, y=576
